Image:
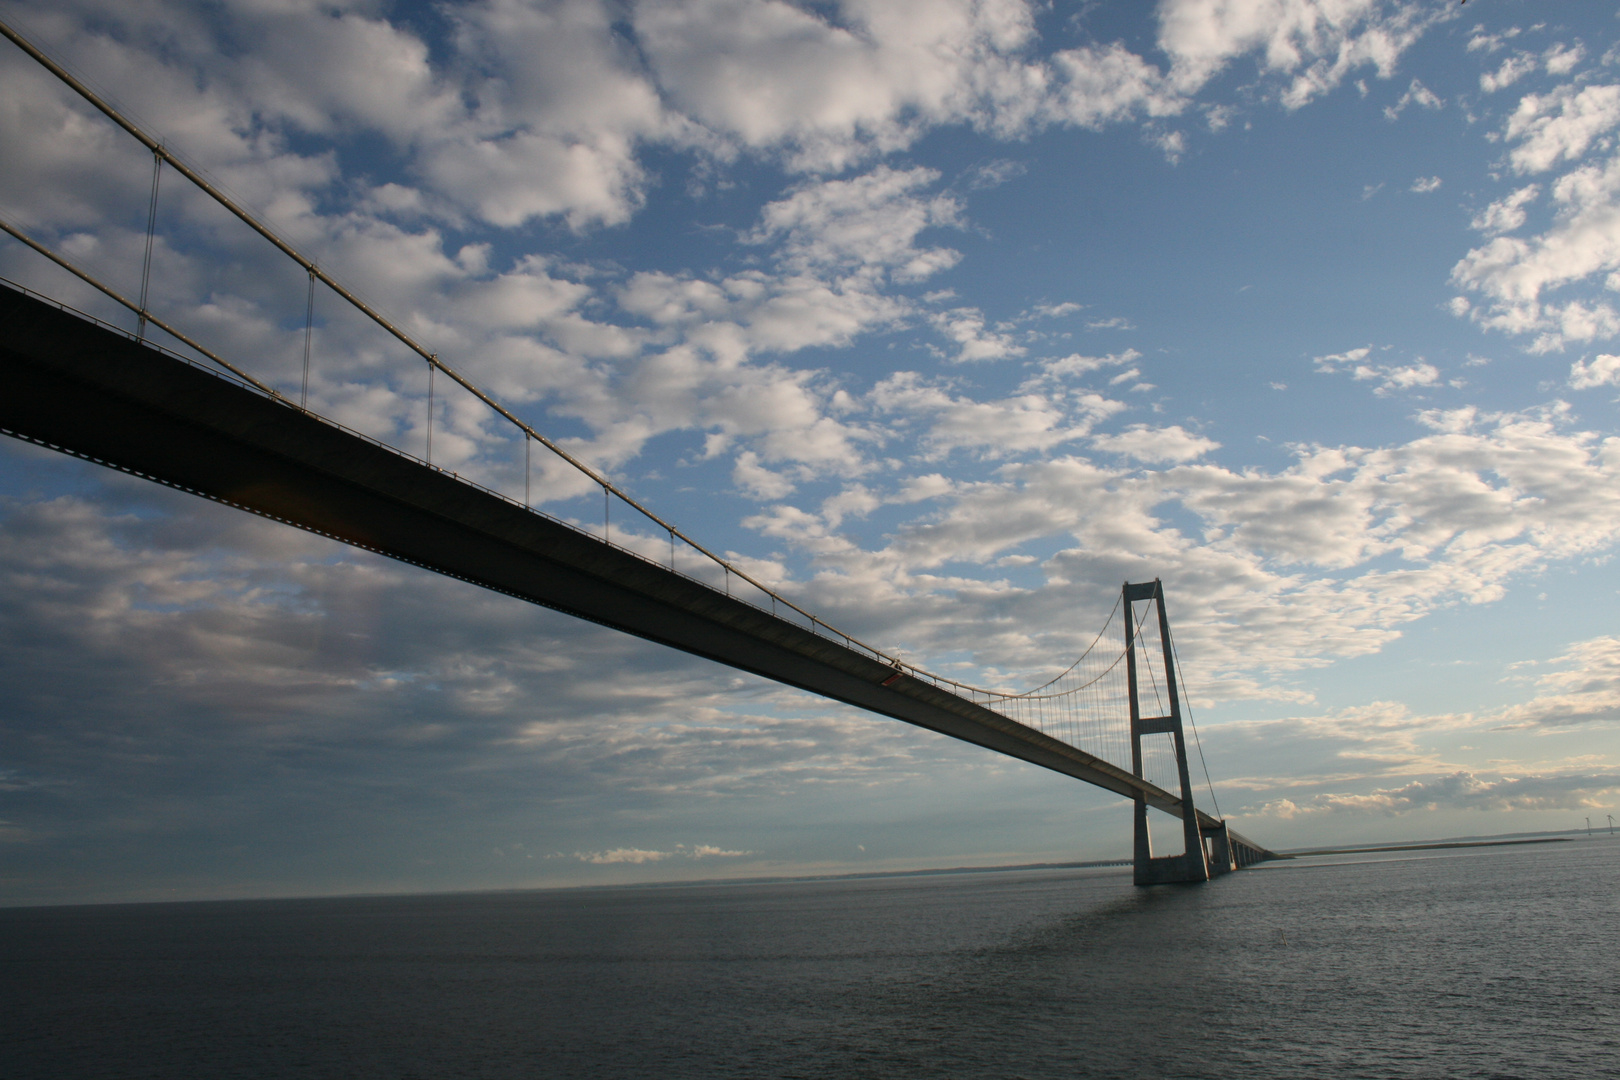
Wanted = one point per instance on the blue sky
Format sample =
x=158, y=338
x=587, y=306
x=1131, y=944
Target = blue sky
x=943, y=317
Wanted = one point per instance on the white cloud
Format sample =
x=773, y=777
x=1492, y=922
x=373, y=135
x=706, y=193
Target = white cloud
x=1479, y=41
x=1557, y=60
x=1080, y=364
x=1282, y=570
x=1416, y=94
x=1507, y=213
x=990, y=174
x=1172, y=144
x=1399, y=378
x=325, y=70
x=622, y=855
x=870, y=221
x=1561, y=59
x=995, y=428
x=1604, y=370
x=757, y=480
x=1584, y=240
x=1156, y=445
x=642, y=855
x=1511, y=71
x=1390, y=377
x=1464, y=790
x=1100, y=86
x=1583, y=688
x=1425, y=184
x=1316, y=43
x=768, y=74
x=1561, y=125
x=966, y=327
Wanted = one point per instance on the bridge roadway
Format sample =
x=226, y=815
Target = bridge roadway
x=74, y=386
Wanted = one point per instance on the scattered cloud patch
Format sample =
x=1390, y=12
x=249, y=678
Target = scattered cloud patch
x=1464, y=790
x=642, y=855
x=1602, y=370
x=869, y=222
x=1416, y=94
x=990, y=174
x=1311, y=44
x=1507, y=213
x=974, y=341
x=1581, y=689
x=1513, y=274
x=1156, y=446
x=1511, y=71
x=1560, y=126
x=1480, y=41
x=1080, y=364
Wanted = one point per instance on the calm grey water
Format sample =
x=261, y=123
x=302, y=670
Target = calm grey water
x=1500, y=962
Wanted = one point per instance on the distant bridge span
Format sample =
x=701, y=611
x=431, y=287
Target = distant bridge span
x=72, y=385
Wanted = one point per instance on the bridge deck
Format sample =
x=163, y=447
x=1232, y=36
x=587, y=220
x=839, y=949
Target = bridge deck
x=86, y=390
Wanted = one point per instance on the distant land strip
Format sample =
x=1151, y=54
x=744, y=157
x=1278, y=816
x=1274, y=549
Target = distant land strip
x=857, y=875
x=1424, y=847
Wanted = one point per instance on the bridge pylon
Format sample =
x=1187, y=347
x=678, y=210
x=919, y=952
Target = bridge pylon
x=1196, y=862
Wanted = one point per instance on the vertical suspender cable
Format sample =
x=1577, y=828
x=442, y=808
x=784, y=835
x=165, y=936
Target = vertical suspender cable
x=151, y=232
x=309, y=330
x=432, y=367
x=527, y=443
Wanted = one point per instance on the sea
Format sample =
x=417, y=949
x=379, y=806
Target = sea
x=1477, y=962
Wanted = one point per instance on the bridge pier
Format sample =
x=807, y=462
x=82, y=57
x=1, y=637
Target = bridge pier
x=1218, y=849
x=1149, y=869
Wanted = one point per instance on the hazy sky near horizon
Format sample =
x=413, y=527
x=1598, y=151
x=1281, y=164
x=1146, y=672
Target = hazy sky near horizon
x=944, y=316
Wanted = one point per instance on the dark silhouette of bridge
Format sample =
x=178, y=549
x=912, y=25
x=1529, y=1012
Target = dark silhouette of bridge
x=86, y=388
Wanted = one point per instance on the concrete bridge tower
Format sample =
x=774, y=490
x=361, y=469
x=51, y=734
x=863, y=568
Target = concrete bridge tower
x=1207, y=847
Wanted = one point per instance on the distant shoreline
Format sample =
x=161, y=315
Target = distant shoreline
x=858, y=875
x=1423, y=847
x=785, y=879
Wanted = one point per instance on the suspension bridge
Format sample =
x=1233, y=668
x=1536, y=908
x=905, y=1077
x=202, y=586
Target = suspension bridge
x=191, y=419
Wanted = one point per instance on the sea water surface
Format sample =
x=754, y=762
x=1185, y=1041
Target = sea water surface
x=1486, y=962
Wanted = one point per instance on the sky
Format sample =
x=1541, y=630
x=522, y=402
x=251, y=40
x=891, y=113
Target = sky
x=942, y=317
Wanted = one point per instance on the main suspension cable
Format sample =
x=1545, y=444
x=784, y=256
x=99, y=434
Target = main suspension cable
x=1199, y=743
